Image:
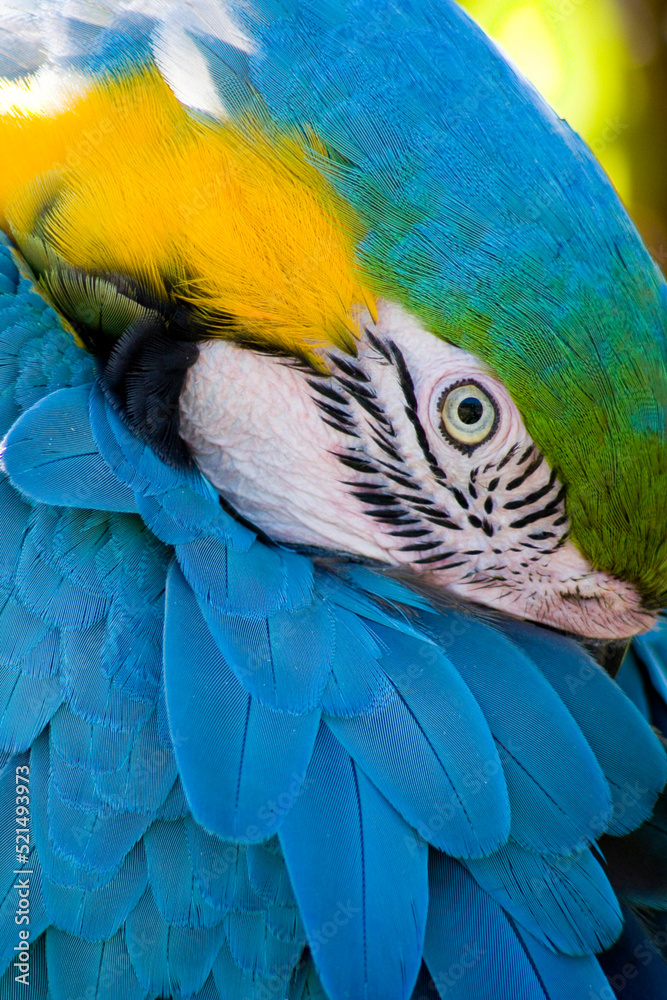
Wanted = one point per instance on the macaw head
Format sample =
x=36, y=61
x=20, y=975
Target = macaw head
x=412, y=325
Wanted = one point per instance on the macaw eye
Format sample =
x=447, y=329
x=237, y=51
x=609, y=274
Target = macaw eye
x=469, y=415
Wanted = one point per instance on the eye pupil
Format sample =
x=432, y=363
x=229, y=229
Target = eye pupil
x=468, y=414
x=470, y=410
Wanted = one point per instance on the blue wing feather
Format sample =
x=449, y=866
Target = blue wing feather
x=217, y=727
x=360, y=881
x=89, y=692
x=97, y=914
x=432, y=726
x=173, y=883
x=255, y=949
x=268, y=873
x=167, y=958
x=281, y=659
x=220, y=870
x=474, y=950
x=234, y=981
x=26, y=705
x=566, y=903
x=51, y=456
x=559, y=797
x=90, y=968
x=602, y=711
x=357, y=683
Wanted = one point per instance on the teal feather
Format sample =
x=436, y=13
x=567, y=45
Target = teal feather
x=220, y=870
x=566, y=903
x=88, y=745
x=51, y=456
x=232, y=980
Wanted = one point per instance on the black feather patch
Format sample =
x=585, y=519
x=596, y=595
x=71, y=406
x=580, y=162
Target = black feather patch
x=144, y=377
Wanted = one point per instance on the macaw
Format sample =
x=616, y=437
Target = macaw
x=334, y=466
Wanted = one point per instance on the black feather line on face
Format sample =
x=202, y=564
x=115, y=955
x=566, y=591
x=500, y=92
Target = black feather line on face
x=348, y=399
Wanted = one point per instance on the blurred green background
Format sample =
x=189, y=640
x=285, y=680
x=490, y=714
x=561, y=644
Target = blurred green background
x=602, y=64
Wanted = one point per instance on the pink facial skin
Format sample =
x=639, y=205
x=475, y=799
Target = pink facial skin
x=360, y=462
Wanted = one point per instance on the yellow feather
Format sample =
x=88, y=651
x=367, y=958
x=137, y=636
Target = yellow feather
x=230, y=219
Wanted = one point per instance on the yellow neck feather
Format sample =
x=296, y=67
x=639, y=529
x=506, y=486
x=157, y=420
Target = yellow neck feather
x=229, y=219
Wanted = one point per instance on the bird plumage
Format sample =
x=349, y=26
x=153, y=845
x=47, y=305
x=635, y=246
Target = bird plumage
x=259, y=771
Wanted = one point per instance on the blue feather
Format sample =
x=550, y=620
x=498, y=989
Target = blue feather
x=69, y=542
x=236, y=983
x=156, y=518
x=385, y=587
x=218, y=728
x=62, y=871
x=8, y=269
x=257, y=582
x=43, y=661
x=630, y=680
x=309, y=987
x=360, y=878
x=50, y=362
x=652, y=650
x=91, y=694
x=281, y=659
x=474, y=950
x=256, y=950
x=567, y=903
x=268, y=873
x=173, y=883
x=431, y=726
x=357, y=684
x=74, y=786
x=26, y=705
x=54, y=598
x=175, y=805
x=220, y=870
x=93, y=840
x=51, y=456
x=169, y=959
x=97, y=914
x=94, y=969
x=209, y=991
x=90, y=746
x=88, y=833
x=559, y=798
x=15, y=514
x=38, y=987
x=341, y=594
x=144, y=780
x=636, y=766
x=20, y=630
x=131, y=651
x=285, y=923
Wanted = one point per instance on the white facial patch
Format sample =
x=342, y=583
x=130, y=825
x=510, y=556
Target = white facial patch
x=412, y=454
